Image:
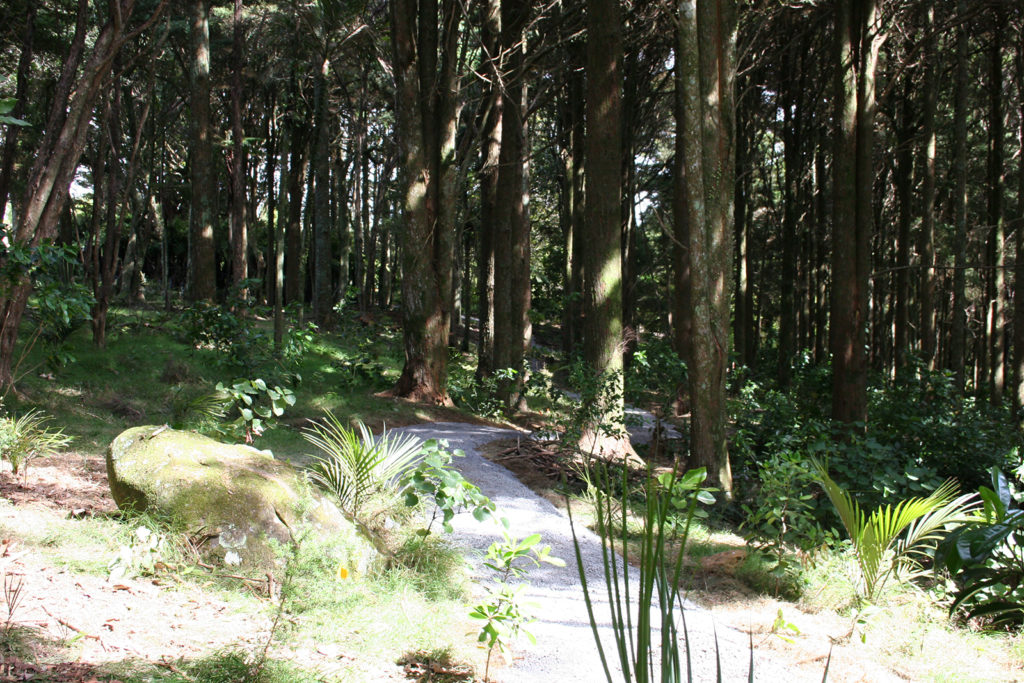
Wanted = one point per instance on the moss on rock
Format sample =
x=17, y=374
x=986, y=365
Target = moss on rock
x=239, y=502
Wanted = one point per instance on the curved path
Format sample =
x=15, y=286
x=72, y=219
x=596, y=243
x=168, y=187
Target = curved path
x=565, y=649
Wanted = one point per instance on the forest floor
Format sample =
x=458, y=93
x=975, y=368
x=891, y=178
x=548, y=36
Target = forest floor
x=63, y=620
x=77, y=626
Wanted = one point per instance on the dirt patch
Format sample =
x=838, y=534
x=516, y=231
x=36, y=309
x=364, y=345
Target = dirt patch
x=71, y=483
x=66, y=625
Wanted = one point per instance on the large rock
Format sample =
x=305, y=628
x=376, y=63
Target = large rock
x=240, y=502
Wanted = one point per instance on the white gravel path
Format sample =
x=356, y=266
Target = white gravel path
x=565, y=649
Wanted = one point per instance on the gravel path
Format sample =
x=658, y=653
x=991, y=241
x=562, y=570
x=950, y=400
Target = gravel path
x=565, y=649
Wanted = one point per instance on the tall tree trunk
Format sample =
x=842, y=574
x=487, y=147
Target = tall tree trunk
x=958, y=343
x=903, y=176
x=420, y=95
x=857, y=45
x=511, y=252
x=706, y=55
x=323, y=128
x=926, y=238
x=791, y=94
x=297, y=167
x=239, y=232
x=1018, y=268
x=202, y=282
x=995, y=303
x=489, y=121
x=602, y=241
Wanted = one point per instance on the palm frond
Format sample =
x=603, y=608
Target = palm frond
x=354, y=465
x=878, y=539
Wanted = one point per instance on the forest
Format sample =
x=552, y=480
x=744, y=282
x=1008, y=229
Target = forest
x=781, y=237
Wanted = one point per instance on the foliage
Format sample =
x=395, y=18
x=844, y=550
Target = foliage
x=256, y=404
x=241, y=344
x=637, y=647
x=592, y=393
x=655, y=367
x=25, y=438
x=921, y=414
x=434, y=476
x=503, y=612
x=986, y=557
x=7, y=105
x=140, y=557
x=786, y=513
x=60, y=303
x=354, y=466
x=237, y=341
x=478, y=395
x=881, y=549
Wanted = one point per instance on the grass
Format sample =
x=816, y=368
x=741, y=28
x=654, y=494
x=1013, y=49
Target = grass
x=366, y=623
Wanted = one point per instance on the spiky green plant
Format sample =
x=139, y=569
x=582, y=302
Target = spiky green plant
x=891, y=541
x=356, y=465
x=25, y=438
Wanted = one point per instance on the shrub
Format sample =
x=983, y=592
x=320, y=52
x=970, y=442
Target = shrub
x=25, y=438
x=353, y=466
x=881, y=549
x=986, y=557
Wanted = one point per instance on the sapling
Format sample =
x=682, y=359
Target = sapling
x=504, y=614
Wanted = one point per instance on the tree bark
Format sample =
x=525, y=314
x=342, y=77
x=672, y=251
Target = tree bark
x=958, y=343
x=602, y=240
x=426, y=242
x=995, y=304
x=705, y=53
x=202, y=282
x=857, y=45
x=926, y=238
x=239, y=231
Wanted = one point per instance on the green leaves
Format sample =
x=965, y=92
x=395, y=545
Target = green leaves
x=881, y=547
x=258, y=405
x=7, y=105
x=434, y=477
x=638, y=618
x=986, y=557
x=25, y=438
x=354, y=466
x=504, y=613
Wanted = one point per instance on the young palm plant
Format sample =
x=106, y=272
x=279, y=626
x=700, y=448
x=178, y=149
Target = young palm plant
x=882, y=549
x=354, y=466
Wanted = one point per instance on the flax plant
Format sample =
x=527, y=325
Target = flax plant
x=648, y=626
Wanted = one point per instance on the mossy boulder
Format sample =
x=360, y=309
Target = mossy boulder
x=241, y=503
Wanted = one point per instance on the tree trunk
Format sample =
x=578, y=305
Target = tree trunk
x=239, y=232
x=857, y=44
x=426, y=264
x=602, y=239
x=903, y=180
x=1018, y=268
x=323, y=298
x=706, y=56
x=926, y=238
x=958, y=343
x=489, y=121
x=995, y=304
